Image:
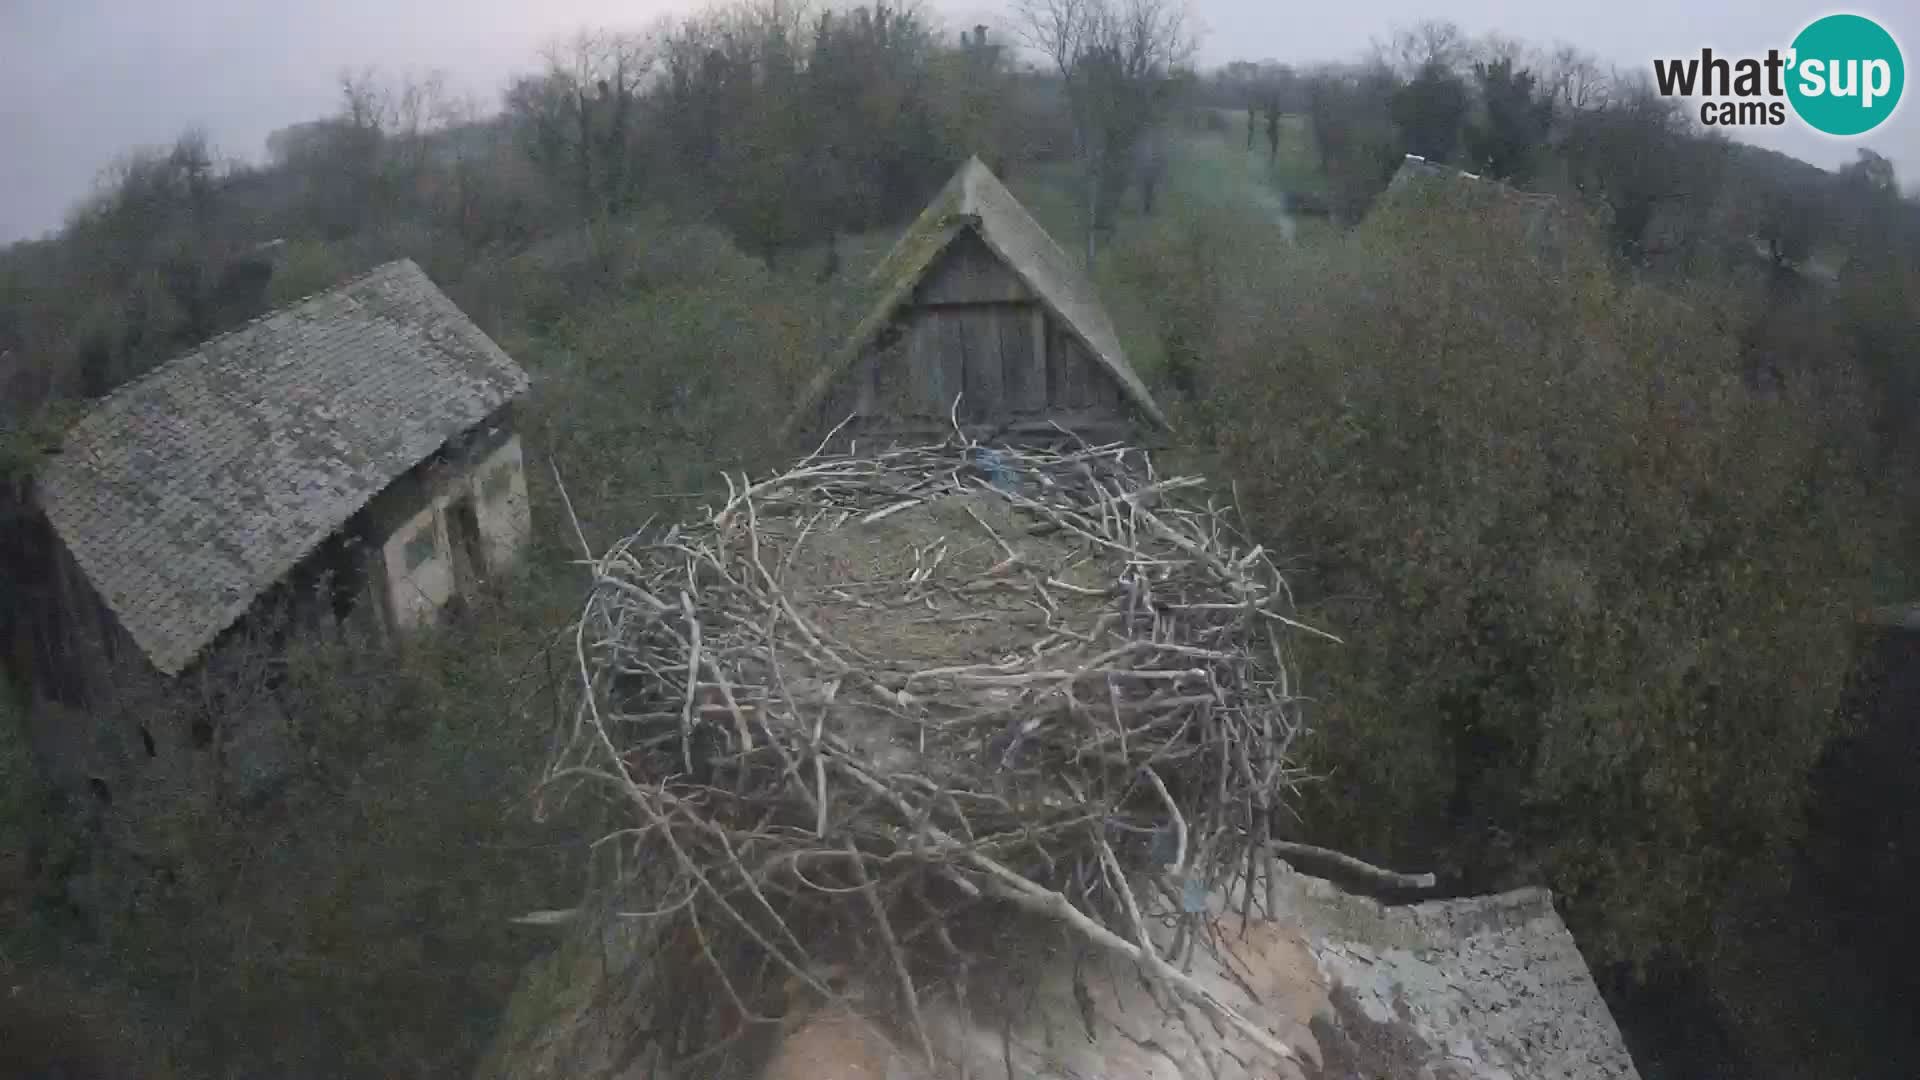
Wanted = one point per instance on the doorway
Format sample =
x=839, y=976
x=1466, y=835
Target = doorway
x=469, y=555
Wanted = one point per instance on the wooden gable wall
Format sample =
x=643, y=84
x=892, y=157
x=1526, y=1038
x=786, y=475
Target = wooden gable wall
x=973, y=328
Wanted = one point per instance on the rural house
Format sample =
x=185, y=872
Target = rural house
x=976, y=305
x=349, y=457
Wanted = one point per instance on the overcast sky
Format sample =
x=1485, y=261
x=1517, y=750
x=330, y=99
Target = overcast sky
x=81, y=81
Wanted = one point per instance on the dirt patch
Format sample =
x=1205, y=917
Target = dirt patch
x=935, y=584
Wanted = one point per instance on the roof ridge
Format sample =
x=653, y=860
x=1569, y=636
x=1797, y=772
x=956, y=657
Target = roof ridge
x=1021, y=208
x=975, y=199
x=339, y=286
x=273, y=313
x=240, y=442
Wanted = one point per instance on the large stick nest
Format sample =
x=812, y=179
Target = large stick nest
x=869, y=703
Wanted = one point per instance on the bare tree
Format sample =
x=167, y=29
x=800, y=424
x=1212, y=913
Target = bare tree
x=1577, y=81
x=1495, y=47
x=365, y=103
x=1426, y=45
x=417, y=105
x=591, y=86
x=576, y=118
x=1640, y=155
x=457, y=115
x=1116, y=59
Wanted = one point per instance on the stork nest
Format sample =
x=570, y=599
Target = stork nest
x=869, y=703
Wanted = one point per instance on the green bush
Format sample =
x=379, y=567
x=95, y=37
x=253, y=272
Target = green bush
x=19, y=798
x=1596, y=592
x=306, y=267
x=357, y=923
x=686, y=368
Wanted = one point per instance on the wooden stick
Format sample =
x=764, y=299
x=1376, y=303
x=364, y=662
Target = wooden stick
x=907, y=991
x=1307, y=853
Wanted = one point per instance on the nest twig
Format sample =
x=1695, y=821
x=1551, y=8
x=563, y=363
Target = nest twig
x=771, y=767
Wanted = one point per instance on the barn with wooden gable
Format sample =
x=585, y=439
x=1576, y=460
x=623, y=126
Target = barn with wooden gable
x=982, y=319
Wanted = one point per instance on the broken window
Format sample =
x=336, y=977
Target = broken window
x=420, y=549
x=498, y=483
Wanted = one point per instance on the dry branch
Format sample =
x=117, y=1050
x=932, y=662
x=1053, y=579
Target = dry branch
x=1310, y=856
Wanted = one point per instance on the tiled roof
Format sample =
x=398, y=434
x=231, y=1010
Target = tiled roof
x=976, y=199
x=186, y=493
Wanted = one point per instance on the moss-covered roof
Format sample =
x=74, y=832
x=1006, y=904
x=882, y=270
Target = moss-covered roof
x=974, y=199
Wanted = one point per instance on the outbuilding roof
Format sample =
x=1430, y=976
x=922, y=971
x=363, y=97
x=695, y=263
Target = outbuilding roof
x=185, y=494
x=974, y=199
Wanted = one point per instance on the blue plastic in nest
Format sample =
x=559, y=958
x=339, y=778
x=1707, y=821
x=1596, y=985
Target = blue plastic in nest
x=1166, y=846
x=993, y=465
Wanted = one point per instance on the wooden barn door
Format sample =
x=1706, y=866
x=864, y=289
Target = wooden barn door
x=972, y=336
x=987, y=355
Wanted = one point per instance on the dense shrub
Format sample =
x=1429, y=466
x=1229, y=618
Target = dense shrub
x=1595, y=590
x=358, y=923
x=1354, y=136
x=680, y=363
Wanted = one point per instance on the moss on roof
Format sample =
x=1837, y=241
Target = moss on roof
x=975, y=199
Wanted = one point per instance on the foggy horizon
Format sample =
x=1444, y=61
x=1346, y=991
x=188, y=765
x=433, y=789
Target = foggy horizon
x=87, y=81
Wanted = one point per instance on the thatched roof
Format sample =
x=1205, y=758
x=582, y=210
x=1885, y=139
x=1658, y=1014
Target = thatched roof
x=975, y=200
x=186, y=493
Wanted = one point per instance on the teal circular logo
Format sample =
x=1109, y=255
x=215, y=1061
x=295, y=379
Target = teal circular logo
x=1846, y=75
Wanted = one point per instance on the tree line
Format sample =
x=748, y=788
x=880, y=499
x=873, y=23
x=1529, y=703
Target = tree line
x=783, y=124
x=1808, y=246
x=673, y=185
x=1598, y=513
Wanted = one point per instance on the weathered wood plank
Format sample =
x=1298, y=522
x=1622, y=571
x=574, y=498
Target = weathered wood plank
x=853, y=393
x=970, y=273
x=954, y=349
x=1020, y=397
x=1067, y=370
x=892, y=379
x=986, y=366
x=1078, y=381
x=1103, y=391
x=866, y=378
x=926, y=370
x=985, y=355
x=1037, y=395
